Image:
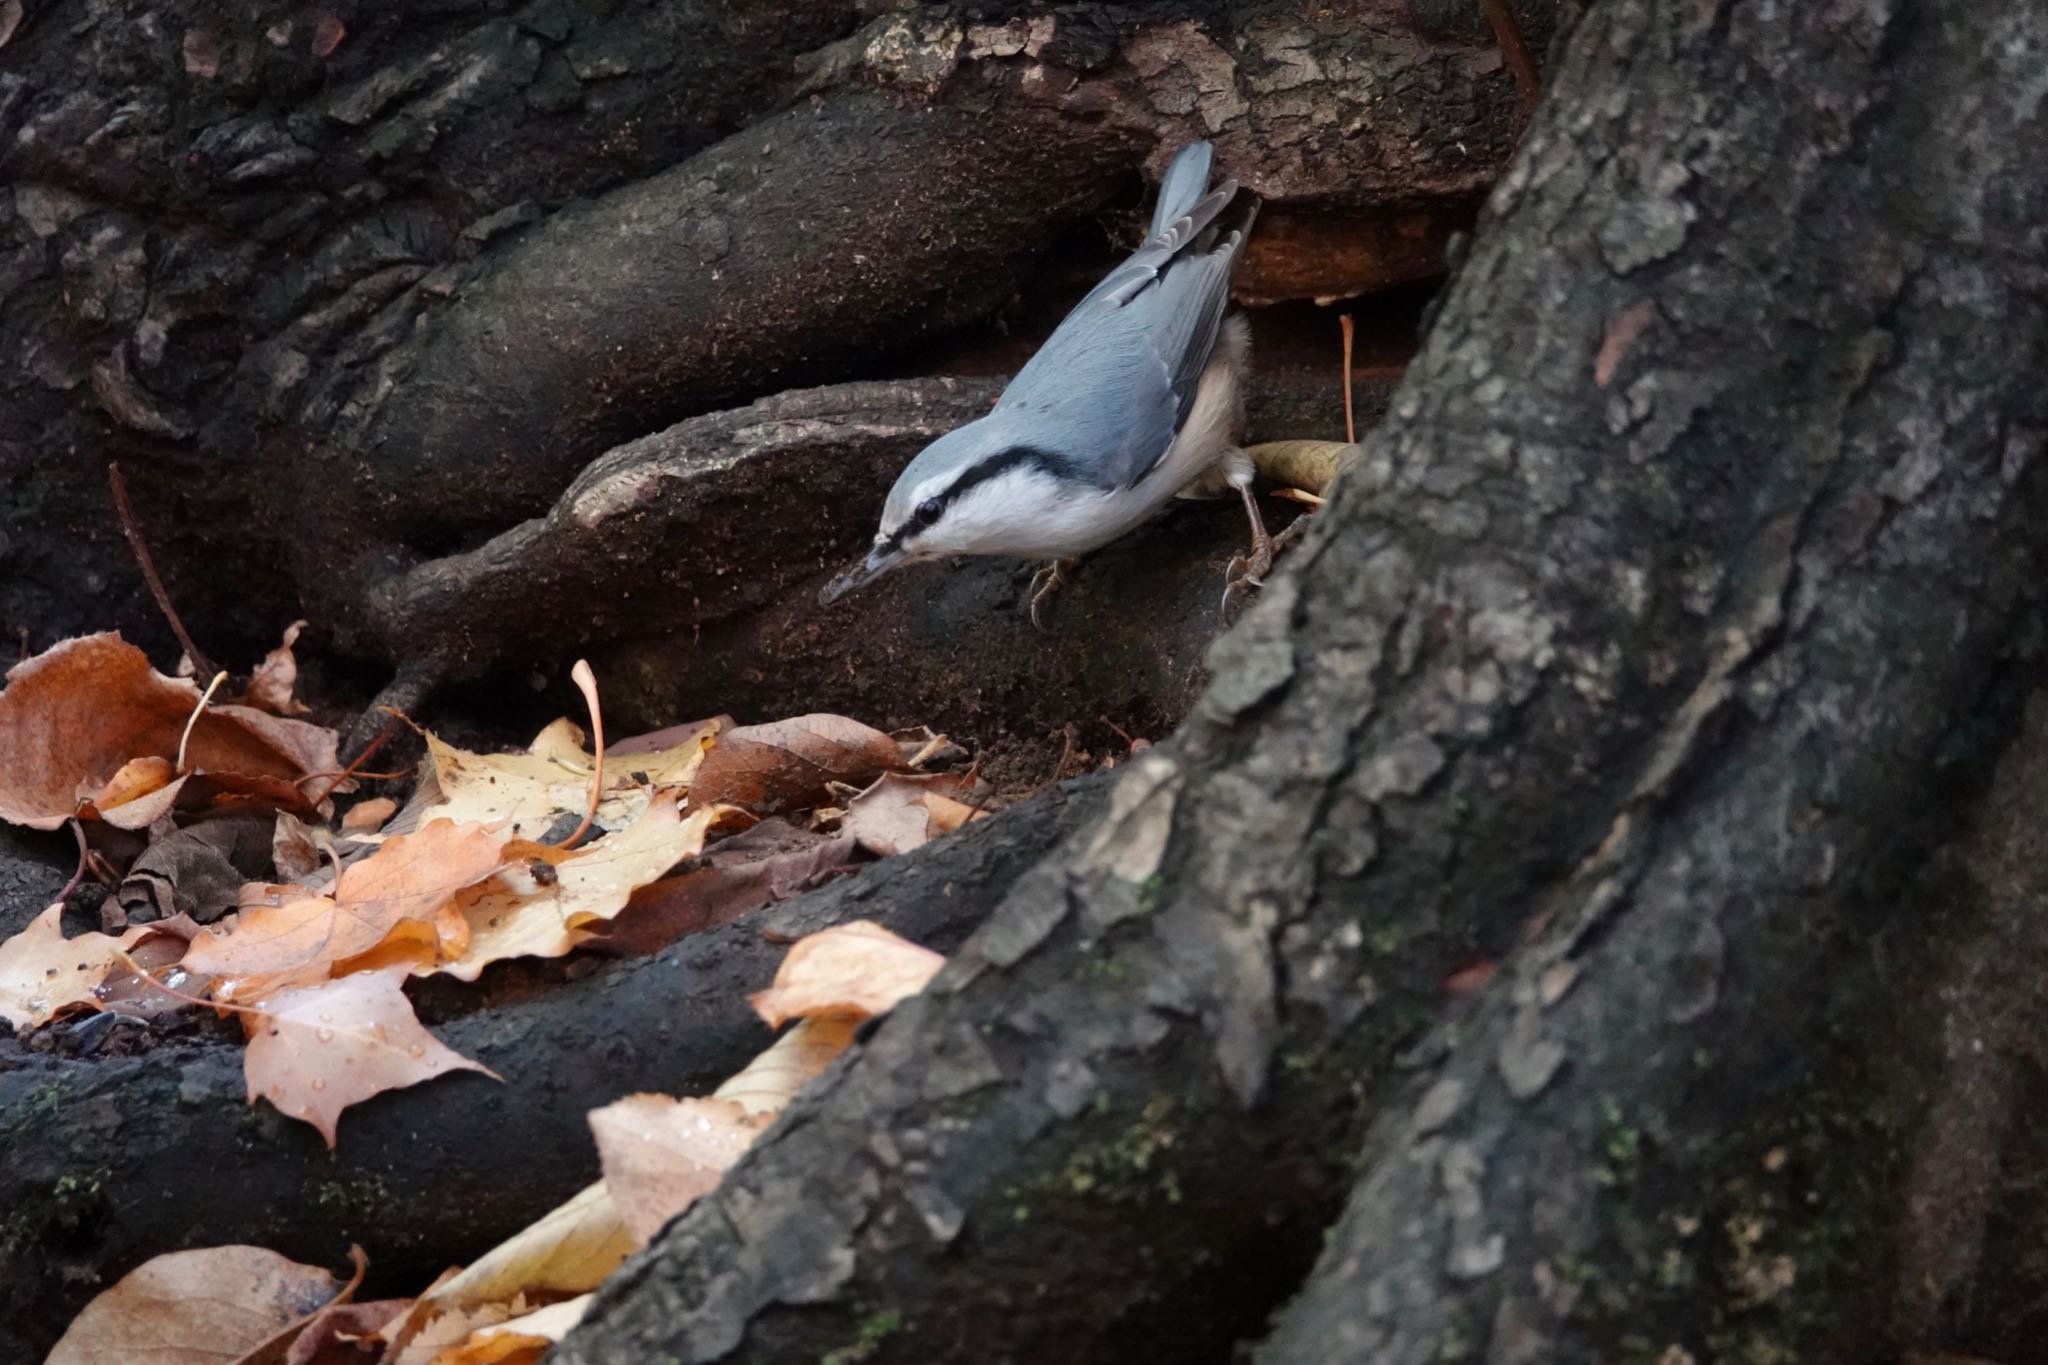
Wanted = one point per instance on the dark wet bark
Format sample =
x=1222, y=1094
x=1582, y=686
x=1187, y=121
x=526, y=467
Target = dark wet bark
x=1692, y=582
x=107, y=1160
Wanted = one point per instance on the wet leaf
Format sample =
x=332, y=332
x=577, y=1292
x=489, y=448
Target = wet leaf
x=202, y=1307
x=43, y=974
x=768, y=1083
x=517, y=1341
x=74, y=717
x=770, y=862
x=785, y=765
x=659, y=1154
x=546, y=906
x=858, y=968
x=568, y=1251
x=399, y=889
x=317, y=1050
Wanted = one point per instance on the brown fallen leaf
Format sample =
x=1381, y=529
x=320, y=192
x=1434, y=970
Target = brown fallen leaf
x=121, y=801
x=198, y=870
x=344, y=1334
x=316, y=1050
x=770, y=862
x=279, y=1345
x=400, y=888
x=768, y=1083
x=857, y=968
x=521, y=913
x=659, y=1154
x=270, y=688
x=785, y=765
x=201, y=1307
x=43, y=974
x=568, y=1250
x=903, y=811
x=74, y=716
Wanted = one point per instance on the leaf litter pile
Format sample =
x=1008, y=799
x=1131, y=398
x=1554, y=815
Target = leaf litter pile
x=234, y=888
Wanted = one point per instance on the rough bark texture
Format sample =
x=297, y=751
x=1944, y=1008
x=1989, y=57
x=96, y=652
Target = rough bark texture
x=346, y=293
x=91, y=1143
x=1647, y=649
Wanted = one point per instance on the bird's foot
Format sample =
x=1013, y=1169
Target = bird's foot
x=1248, y=570
x=1049, y=579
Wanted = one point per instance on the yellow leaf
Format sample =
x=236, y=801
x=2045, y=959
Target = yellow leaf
x=43, y=973
x=529, y=791
x=771, y=1080
x=519, y=914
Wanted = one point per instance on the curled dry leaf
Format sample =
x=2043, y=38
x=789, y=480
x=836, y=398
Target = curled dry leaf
x=399, y=890
x=785, y=765
x=315, y=1051
x=44, y=974
x=858, y=968
x=270, y=688
x=123, y=802
x=74, y=716
x=524, y=913
x=528, y=792
x=199, y=1307
x=768, y=1083
x=659, y=1153
x=1311, y=466
x=903, y=811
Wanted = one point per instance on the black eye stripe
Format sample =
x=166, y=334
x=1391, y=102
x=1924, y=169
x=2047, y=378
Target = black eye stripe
x=980, y=472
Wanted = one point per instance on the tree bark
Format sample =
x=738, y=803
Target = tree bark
x=1693, y=575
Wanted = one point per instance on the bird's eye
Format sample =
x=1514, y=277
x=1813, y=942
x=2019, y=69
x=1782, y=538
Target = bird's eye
x=928, y=511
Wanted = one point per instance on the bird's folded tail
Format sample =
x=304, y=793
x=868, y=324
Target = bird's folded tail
x=1186, y=180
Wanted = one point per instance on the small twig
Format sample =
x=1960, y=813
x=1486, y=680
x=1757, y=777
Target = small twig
x=129, y=527
x=1508, y=33
x=84, y=861
x=1350, y=426
x=354, y=769
x=193, y=719
x=586, y=682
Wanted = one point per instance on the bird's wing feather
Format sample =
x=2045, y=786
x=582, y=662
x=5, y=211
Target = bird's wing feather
x=1115, y=380
x=1182, y=185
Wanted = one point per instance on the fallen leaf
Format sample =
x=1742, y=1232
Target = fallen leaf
x=672, y=737
x=569, y=1250
x=857, y=968
x=403, y=885
x=1308, y=465
x=770, y=862
x=274, y=1349
x=294, y=849
x=528, y=792
x=365, y=816
x=270, y=688
x=120, y=802
x=44, y=974
x=197, y=871
x=421, y=1342
x=518, y=1341
x=785, y=765
x=316, y=1050
x=771, y=1080
x=903, y=811
x=74, y=716
x=659, y=1153
x=518, y=913
x=201, y=1307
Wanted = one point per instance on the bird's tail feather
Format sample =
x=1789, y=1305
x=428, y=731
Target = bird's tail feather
x=1186, y=180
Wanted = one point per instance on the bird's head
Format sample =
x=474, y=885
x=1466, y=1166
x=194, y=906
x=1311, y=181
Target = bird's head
x=975, y=491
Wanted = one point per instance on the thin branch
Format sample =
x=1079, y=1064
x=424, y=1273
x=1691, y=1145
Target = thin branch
x=129, y=527
x=1350, y=425
x=586, y=682
x=1515, y=48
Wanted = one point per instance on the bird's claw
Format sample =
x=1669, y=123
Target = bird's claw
x=1049, y=578
x=1245, y=572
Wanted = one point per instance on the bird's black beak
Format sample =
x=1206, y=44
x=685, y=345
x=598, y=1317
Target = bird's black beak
x=879, y=561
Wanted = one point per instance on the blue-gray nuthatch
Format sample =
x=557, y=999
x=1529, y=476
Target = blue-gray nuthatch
x=1132, y=400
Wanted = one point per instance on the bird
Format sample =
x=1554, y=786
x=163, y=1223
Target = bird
x=1133, y=400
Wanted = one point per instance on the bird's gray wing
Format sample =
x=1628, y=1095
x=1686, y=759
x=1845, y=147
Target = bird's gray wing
x=1115, y=380
x=1182, y=185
